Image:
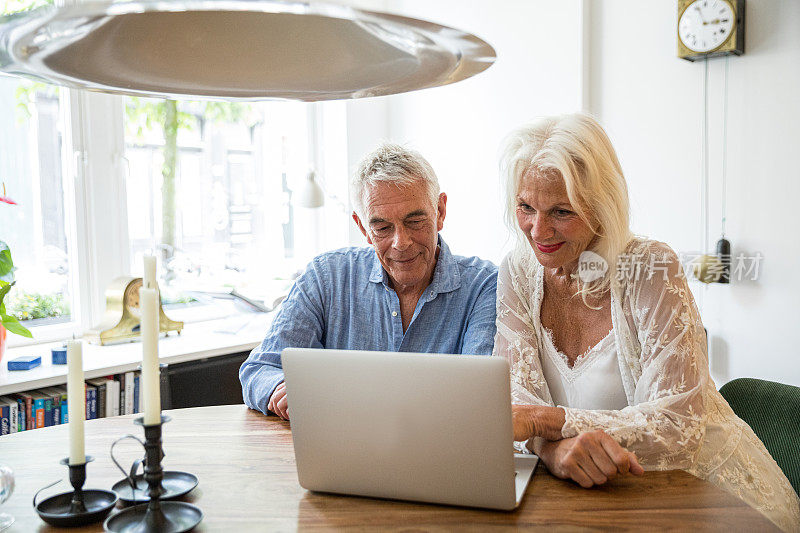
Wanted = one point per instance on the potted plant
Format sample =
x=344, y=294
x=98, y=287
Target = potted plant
x=7, y=322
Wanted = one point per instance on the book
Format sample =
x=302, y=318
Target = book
x=48, y=411
x=55, y=405
x=27, y=399
x=22, y=426
x=38, y=414
x=5, y=420
x=102, y=395
x=91, y=402
x=120, y=379
x=128, y=393
x=47, y=406
x=64, y=414
x=115, y=398
x=136, y=392
x=13, y=413
x=56, y=397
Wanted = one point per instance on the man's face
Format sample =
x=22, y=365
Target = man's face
x=402, y=225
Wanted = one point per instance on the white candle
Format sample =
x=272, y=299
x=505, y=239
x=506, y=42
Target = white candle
x=149, y=280
x=148, y=302
x=76, y=402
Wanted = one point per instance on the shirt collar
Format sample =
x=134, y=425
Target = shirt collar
x=446, y=276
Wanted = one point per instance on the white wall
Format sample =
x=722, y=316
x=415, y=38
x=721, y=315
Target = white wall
x=651, y=103
x=459, y=127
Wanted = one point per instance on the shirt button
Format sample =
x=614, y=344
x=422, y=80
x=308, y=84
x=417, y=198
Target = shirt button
x=432, y=293
x=394, y=313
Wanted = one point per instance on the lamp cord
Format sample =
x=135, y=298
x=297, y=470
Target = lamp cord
x=704, y=189
x=725, y=150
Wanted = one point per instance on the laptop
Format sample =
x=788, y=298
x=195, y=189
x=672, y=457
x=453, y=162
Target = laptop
x=405, y=426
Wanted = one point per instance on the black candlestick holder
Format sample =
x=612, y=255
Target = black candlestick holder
x=79, y=507
x=156, y=516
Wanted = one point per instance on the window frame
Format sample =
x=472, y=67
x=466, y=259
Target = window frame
x=95, y=172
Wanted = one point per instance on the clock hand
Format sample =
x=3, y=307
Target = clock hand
x=700, y=11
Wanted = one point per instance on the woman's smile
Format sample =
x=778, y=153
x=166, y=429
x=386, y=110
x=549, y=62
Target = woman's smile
x=549, y=249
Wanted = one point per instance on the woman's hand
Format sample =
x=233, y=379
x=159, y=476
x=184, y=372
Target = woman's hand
x=591, y=458
x=536, y=421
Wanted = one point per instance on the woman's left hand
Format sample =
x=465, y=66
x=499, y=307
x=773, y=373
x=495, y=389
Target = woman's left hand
x=537, y=421
x=591, y=458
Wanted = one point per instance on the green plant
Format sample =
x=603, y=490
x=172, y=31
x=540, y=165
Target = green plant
x=7, y=281
x=33, y=305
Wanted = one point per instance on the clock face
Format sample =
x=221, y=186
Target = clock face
x=131, y=300
x=705, y=25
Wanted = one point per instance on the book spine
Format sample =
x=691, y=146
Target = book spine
x=30, y=413
x=5, y=423
x=110, y=397
x=128, y=393
x=116, y=395
x=101, y=401
x=121, y=378
x=21, y=409
x=13, y=416
x=64, y=410
x=38, y=407
x=136, y=393
x=56, y=411
x=48, y=412
x=94, y=403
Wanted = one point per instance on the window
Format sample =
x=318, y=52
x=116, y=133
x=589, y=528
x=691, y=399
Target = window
x=220, y=217
x=36, y=228
x=88, y=172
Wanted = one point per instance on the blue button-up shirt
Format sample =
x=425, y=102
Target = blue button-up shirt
x=344, y=300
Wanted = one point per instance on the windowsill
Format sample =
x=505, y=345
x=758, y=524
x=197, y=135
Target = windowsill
x=53, y=333
x=197, y=341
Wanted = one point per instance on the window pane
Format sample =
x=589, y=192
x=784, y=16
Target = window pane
x=34, y=229
x=221, y=216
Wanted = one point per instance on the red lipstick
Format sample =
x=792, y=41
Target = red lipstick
x=549, y=249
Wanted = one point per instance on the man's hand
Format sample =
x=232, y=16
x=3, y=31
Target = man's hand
x=278, y=403
x=589, y=459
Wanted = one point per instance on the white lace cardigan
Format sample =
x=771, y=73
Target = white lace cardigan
x=676, y=418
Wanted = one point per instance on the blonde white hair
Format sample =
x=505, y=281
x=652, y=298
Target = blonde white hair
x=392, y=163
x=577, y=149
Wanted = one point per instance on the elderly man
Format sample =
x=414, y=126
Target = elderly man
x=405, y=293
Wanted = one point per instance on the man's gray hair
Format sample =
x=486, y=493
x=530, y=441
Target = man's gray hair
x=391, y=163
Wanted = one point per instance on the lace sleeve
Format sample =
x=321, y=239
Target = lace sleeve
x=666, y=424
x=516, y=338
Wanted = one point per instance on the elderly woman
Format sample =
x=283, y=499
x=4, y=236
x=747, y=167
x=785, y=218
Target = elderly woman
x=607, y=351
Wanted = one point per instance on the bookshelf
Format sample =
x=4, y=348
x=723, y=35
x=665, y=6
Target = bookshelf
x=202, y=364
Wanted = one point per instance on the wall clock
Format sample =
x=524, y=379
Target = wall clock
x=710, y=28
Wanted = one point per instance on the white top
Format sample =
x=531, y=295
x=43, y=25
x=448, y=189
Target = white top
x=674, y=416
x=593, y=382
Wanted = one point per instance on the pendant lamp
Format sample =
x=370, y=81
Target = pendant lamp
x=236, y=49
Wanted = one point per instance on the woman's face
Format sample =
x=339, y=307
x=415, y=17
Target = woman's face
x=550, y=223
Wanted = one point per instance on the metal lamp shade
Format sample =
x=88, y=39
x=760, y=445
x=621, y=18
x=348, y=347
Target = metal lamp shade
x=236, y=50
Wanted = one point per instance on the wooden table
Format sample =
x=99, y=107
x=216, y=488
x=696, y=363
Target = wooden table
x=248, y=482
